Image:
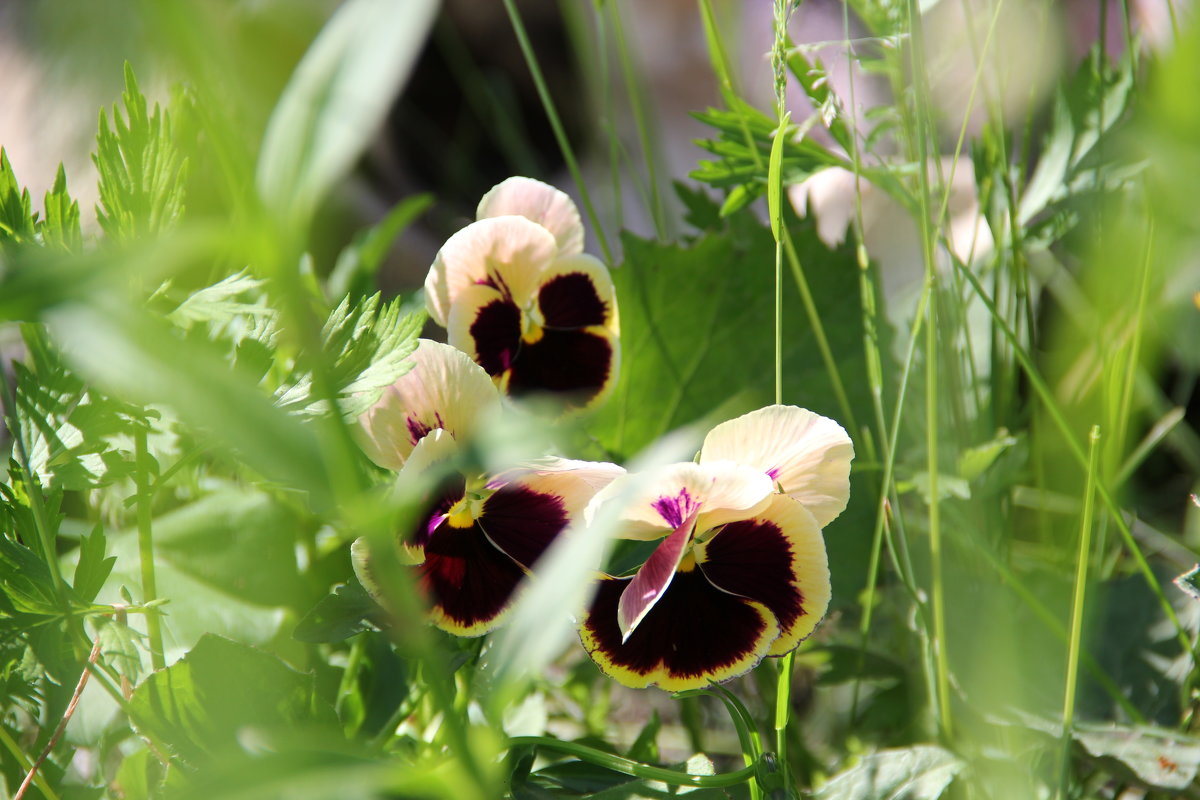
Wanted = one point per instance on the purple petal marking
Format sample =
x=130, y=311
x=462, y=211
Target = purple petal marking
x=418, y=430
x=439, y=503
x=773, y=473
x=674, y=510
x=654, y=577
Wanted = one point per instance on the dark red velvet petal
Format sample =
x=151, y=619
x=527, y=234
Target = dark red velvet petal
x=496, y=333
x=571, y=301
x=563, y=362
x=752, y=559
x=522, y=522
x=468, y=581
x=696, y=634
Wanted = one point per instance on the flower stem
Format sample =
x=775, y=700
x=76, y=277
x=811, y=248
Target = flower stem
x=1081, y=576
x=636, y=768
x=146, y=545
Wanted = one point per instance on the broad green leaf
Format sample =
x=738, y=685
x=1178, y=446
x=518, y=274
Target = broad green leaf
x=1158, y=758
x=339, y=615
x=336, y=99
x=141, y=169
x=199, y=706
x=921, y=772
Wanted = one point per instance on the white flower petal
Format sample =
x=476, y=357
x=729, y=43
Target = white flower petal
x=540, y=202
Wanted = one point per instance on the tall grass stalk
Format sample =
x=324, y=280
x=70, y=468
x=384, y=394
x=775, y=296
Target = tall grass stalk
x=560, y=135
x=146, y=545
x=1077, y=605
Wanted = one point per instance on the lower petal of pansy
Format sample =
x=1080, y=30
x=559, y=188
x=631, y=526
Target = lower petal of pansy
x=695, y=635
x=580, y=364
x=522, y=523
x=469, y=583
x=778, y=559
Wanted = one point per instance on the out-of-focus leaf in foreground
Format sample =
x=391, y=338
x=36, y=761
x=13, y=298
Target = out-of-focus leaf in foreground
x=336, y=99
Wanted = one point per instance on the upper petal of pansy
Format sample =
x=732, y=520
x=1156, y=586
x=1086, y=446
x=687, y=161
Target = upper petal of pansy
x=574, y=482
x=506, y=253
x=776, y=558
x=577, y=292
x=540, y=202
x=805, y=454
x=655, y=503
x=444, y=389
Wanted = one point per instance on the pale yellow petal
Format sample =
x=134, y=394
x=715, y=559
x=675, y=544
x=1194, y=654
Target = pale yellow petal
x=807, y=455
x=540, y=202
x=507, y=253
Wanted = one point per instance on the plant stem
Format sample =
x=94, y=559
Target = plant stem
x=1081, y=576
x=560, y=135
x=146, y=545
x=636, y=768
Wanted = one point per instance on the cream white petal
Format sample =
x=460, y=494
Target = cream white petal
x=444, y=389
x=655, y=503
x=574, y=482
x=807, y=455
x=507, y=252
x=540, y=202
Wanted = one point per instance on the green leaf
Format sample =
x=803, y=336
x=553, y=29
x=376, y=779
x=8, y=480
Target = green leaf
x=369, y=346
x=921, y=772
x=93, y=567
x=139, y=776
x=336, y=99
x=197, y=707
x=1189, y=582
x=339, y=615
x=61, y=227
x=141, y=170
x=26, y=580
x=17, y=220
x=645, y=746
x=976, y=460
x=775, y=178
x=224, y=301
x=143, y=359
x=1157, y=758
x=121, y=647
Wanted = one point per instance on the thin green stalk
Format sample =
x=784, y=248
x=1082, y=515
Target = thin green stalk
x=350, y=674
x=1056, y=415
x=641, y=122
x=720, y=62
x=560, y=135
x=23, y=764
x=1081, y=576
x=636, y=768
x=743, y=723
x=146, y=546
x=783, y=712
x=941, y=661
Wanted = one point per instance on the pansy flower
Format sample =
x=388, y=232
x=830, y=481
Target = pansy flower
x=477, y=536
x=516, y=292
x=740, y=571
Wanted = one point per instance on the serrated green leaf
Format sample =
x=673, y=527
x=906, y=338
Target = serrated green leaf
x=26, y=580
x=222, y=302
x=61, y=227
x=121, y=647
x=93, y=567
x=921, y=772
x=141, y=169
x=369, y=345
x=337, y=97
x=1157, y=758
x=16, y=214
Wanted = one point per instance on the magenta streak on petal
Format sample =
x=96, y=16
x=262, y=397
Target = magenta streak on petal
x=773, y=473
x=675, y=509
x=652, y=580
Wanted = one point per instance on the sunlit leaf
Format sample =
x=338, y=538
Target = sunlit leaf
x=339, y=615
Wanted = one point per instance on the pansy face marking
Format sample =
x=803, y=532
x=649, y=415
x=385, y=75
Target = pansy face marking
x=516, y=292
x=476, y=537
x=740, y=571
